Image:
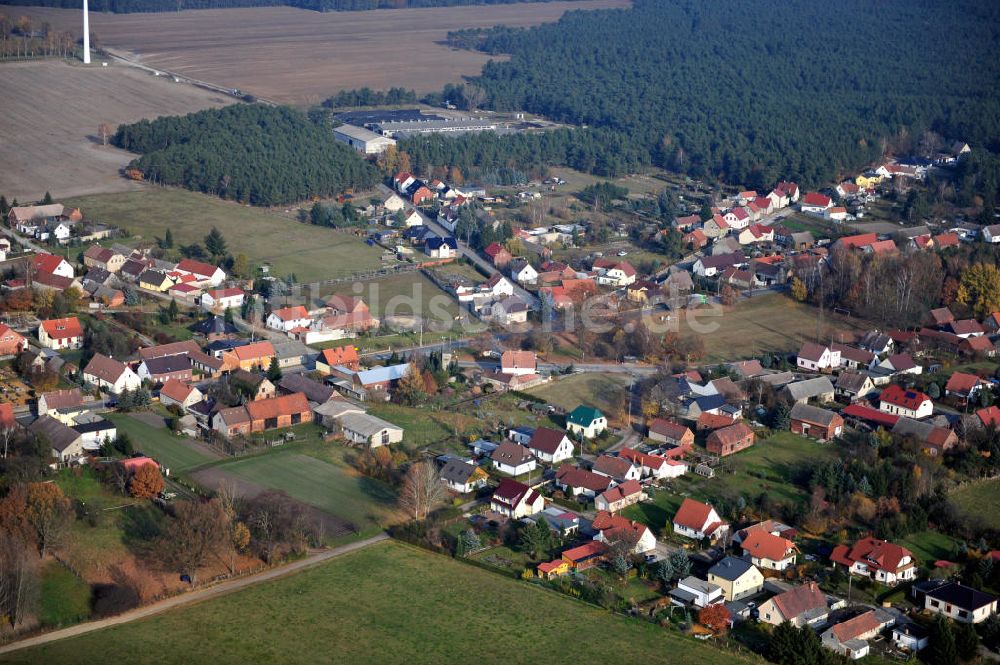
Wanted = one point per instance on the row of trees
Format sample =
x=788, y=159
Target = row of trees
x=251, y=153
x=20, y=39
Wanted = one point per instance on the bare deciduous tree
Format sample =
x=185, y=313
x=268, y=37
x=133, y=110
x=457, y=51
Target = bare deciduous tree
x=18, y=578
x=196, y=531
x=104, y=133
x=422, y=490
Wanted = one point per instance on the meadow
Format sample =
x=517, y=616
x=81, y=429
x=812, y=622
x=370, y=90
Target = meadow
x=388, y=603
x=177, y=453
x=982, y=499
x=290, y=247
x=601, y=391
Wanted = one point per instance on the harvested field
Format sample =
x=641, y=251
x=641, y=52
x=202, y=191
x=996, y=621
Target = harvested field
x=294, y=55
x=51, y=112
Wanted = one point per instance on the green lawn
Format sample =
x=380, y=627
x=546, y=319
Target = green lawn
x=982, y=499
x=310, y=252
x=407, y=295
x=329, y=486
x=65, y=598
x=602, y=391
x=929, y=546
x=172, y=451
x=386, y=604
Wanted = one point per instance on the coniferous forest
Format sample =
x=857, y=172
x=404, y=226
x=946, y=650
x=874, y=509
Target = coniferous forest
x=138, y=6
x=745, y=91
x=252, y=153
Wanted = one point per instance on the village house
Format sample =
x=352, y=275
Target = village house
x=441, y=248
x=50, y=264
x=709, y=266
x=933, y=439
x=368, y=384
x=65, y=443
x=818, y=388
x=59, y=399
x=463, y=477
x=550, y=445
x=698, y=520
x=342, y=356
x=203, y=273
x=620, y=497
x=696, y=592
x=103, y=257
x=219, y=300
x=256, y=355
x=611, y=528
x=155, y=280
x=161, y=370
x=667, y=431
x=617, y=274
x=910, y=637
x=523, y=272
x=801, y=606
x=737, y=578
x=516, y=500
x=498, y=255
x=518, y=363
x=899, y=401
x=960, y=603
x=59, y=334
x=251, y=386
x=287, y=319
x=730, y=440
x=769, y=551
x=576, y=482
x=179, y=394
x=110, y=375
x=879, y=560
x=855, y=359
x=656, y=467
x=850, y=638
x=815, y=422
x=618, y=468
x=94, y=431
x=11, y=342
x=964, y=387
x=513, y=459
x=815, y=203
x=586, y=421
x=284, y=411
x=817, y=357
x=359, y=427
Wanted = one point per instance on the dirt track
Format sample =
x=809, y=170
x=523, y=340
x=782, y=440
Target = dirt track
x=301, y=56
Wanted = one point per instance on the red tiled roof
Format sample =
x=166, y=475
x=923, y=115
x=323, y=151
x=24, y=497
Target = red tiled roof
x=7, y=415
x=962, y=383
x=816, y=199
x=518, y=360
x=989, y=416
x=66, y=328
x=586, y=551
x=616, y=467
x=196, y=267
x=712, y=421
x=900, y=397
x=692, y=514
x=291, y=313
x=651, y=461
x=46, y=262
x=668, y=429
x=285, y=405
x=105, y=368
x=254, y=351
x=730, y=435
x=812, y=351
x=175, y=390
x=801, y=599
x=572, y=476
x=619, y=492
x=860, y=240
x=859, y=625
x=616, y=526
x=862, y=412
x=341, y=355
x=762, y=544
x=876, y=554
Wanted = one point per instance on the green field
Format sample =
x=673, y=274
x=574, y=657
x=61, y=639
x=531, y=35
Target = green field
x=770, y=467
x=601, y=391
x=930, y=546
x=310, y=252
x=329, y=486
x=172, y=451
x=388, y=603
x=982, y=499
x=65, y=598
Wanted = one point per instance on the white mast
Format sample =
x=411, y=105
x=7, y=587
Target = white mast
x=86, y=35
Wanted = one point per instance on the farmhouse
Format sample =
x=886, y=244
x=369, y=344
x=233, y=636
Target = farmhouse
x=698, y=520
x=818, y=388
x=815, y=422
x=729, y=440
x=65, y=442
x=59, y=334
x=518, y=363
x=737, y=578
x=110, y=375
x=103, y=257
x=619, y=468
x=516, y=500
x=667, y=431
x=161, y=370
x=879, y=560
x=899, y=401
x=179, y=393
x=59, y=399
x=278, y=412
x=343, y=356
x=964, y=387
x=49, y=264
x=202, y=272
x=287, y=319
x=850, y=638
x=219, y=300
x=576, y=481
x=655, y=466
x=253, y=356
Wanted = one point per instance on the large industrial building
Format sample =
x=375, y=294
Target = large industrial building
x=363, y=140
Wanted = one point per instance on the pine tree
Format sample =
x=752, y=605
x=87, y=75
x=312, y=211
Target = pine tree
x=168, y=239
x=680, y=563
x=274, y=371
x=47, y=199
x=215, y=243
x=966, y=641
x=172, y=310
x=942, y=649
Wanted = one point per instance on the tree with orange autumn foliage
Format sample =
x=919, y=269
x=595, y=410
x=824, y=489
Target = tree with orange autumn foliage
x=146, y=482
x=715, y=617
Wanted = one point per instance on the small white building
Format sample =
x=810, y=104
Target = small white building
x=960, y=603
x=817, y=357
x=369, y=430
x=523, y=273
x=288, y=318
x=696, y=592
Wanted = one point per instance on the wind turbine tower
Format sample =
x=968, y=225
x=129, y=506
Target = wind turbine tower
x=86, y=34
